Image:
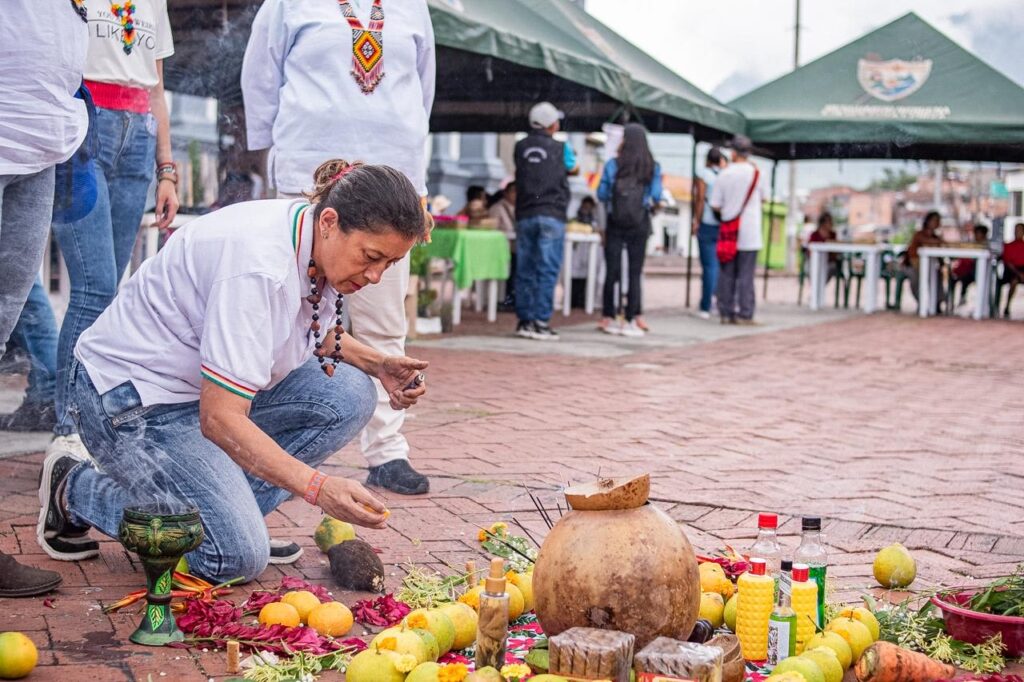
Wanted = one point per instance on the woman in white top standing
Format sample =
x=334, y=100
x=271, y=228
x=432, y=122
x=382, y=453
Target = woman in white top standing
x=351, y=79
x=128, y=41
x=220, y=377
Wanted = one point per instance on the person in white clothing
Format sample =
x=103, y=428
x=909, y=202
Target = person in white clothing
x=43, y=47
x=737, y=193
x=355, y=78
x=220, y=378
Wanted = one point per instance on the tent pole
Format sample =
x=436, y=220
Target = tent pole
x=688, y=229
x=771, y=232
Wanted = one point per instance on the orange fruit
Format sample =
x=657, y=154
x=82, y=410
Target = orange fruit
x=279, y=613
x=18, y=655
x=304, y=601
x=331, y=619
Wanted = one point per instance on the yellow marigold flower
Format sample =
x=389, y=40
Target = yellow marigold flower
x=471, y=598
x=517, y=671
x=499, y=528
x=453, y=672
x=405, y=663
x=481, y=536
x=512, y=577
x=417, y=620
x=388, y=644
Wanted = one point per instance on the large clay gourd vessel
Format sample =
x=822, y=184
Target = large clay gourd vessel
x=619, y=563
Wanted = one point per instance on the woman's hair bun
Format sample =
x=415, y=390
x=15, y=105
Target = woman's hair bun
x=326, y=175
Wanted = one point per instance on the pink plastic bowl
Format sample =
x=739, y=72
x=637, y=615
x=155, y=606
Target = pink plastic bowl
x=974, y=627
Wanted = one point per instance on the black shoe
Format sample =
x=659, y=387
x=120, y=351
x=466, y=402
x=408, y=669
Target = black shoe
x=59, y=537
x=19, y=580
x=30, y=417
x=284, y=552
x=543, y=332
x=525, y=329
x=398, y=477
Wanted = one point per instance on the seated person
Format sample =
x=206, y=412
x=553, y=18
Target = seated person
x=503, y=212
x=963, y=268
x=928, y=235
x=825, y=233
x=1013, y=264
x=586, y=214
x=476, y=208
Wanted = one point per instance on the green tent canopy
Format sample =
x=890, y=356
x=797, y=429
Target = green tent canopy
x=903, y=91
x=498, y=57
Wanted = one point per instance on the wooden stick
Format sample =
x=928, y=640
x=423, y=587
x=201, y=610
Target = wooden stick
x=233, y=652
x=527, y=531
x=471, y=576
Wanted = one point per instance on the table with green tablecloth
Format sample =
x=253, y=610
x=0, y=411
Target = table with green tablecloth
x=476, y=257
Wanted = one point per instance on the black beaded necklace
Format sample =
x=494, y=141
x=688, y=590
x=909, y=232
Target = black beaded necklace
x=315, y=296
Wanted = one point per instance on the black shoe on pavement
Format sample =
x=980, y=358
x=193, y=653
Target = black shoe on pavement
x=19, y=580
x=284, y=552
x=30, y=417
x=59, y=537
x=398, y=476
x=542, y=331
x=525, y=329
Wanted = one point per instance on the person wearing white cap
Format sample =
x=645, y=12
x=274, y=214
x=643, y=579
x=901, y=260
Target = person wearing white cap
x=543, y=165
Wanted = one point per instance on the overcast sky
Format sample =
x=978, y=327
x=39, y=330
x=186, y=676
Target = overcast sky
x=728, y=47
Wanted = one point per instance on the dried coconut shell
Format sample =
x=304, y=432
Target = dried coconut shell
x=609, y=494
x=355, y=566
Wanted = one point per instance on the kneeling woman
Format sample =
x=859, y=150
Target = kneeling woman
x=215, y=379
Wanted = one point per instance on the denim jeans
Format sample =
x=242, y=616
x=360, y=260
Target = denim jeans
x=36, y=334
x=98, y=246
x=539, y=243
x=707, y=243
x=157, y=454
x=25, y=205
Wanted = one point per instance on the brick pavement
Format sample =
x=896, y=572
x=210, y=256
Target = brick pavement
x=893, y=428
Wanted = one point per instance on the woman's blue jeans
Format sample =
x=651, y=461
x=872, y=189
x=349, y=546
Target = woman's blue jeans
x=97, y=247
x=707, y=243
x=157, y=454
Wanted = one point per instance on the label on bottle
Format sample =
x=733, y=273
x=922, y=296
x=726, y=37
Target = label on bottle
x=781, y=639
x=817, y=573
x=785, y=585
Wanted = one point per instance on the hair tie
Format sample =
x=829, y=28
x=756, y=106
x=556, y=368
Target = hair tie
x=342, y=173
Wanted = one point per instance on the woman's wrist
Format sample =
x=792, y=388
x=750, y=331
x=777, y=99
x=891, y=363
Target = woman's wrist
x=167, y=170
x=313, y=488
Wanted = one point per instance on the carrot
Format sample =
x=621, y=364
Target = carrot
x=885, y=662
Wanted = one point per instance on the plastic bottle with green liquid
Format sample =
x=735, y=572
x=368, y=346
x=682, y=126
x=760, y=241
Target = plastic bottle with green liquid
x=813, y=553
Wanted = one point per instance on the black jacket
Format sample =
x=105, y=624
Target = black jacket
x=542, y=181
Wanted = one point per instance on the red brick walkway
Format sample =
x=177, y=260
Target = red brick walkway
x=893, y=428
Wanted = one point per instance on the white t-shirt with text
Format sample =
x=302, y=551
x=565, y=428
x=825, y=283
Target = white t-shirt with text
x=108, y=62
x=224, y=300
x=727, y=195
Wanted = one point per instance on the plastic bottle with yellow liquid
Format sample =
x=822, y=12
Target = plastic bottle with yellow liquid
x=804, y=599
x=753, y=610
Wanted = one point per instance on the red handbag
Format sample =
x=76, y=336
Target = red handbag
x=729, y=230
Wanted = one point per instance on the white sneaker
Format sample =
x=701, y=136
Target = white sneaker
x=631, y=329
x=614, y=328
x=704, y=315
x=71, y=445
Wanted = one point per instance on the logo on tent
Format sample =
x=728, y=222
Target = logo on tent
x=894, y=79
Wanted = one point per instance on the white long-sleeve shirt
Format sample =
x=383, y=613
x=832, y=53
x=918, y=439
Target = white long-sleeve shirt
x=302, y=102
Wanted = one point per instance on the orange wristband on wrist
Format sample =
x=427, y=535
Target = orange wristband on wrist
x=313, y=487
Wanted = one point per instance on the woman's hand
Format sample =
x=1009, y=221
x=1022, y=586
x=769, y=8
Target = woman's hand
x=396, y=374
x=166, y=203
x=348, y=500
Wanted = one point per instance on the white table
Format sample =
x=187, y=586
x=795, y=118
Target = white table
x=819, y=269
x=592, y=242
x=928, y=289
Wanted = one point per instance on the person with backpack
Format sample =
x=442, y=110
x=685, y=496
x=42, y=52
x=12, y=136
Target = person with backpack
x=630, y=189
x=736, y=202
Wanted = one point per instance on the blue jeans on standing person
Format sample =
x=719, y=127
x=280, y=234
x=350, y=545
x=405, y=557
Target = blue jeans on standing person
x=97, y=247
x=539, y=243
x=707, y=243
x=158, y=454
x=36, y=334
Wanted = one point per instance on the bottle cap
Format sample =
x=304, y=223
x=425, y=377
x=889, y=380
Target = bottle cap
x=786, y=565
x=758, y=566
x=811, y=523
x=495, y=583
x=801, y=573
x=767, y=521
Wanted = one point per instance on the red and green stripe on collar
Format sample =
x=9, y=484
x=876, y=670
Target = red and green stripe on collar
x=298, y=219
x=226, y=383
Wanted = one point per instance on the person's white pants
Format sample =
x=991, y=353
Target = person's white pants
x=377, y=318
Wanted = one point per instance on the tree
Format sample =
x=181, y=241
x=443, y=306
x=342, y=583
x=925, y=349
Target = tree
x=893, y=181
